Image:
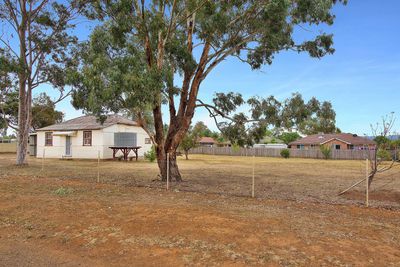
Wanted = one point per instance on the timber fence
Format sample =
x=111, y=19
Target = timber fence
x=8, y=147
x=345, y=154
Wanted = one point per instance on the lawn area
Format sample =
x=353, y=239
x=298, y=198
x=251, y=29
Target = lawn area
x=62, y=217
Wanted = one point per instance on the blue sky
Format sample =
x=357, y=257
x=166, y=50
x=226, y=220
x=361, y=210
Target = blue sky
x=362, y=78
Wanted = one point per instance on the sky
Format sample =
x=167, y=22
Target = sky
x=361, y=79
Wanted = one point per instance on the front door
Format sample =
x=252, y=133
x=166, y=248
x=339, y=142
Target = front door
x=68, y=145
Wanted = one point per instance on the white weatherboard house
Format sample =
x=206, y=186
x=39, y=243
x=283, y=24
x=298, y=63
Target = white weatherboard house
x=85, y=137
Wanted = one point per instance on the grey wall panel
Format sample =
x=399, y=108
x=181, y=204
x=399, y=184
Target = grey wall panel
x=125, y=139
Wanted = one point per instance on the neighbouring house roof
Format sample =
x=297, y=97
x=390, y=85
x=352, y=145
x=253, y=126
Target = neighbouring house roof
x=320, y=139
x=88, y=122
x=206, y=140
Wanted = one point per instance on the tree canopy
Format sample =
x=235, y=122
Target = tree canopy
x=38, y=46
x=139, y=48
x=44, y=112
x=289, y=137
x=292, y=114
x=189, y=141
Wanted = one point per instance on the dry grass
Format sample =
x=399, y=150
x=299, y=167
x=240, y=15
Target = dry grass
x=306, y=180
x=61, y=217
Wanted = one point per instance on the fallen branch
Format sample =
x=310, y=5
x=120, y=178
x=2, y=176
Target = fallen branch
x=354, y=185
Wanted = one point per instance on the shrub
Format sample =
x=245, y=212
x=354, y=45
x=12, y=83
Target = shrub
x=326, y=151
x=151, y=154
x=383, y=154
x=62, y=191
x=235, y=148
x=285, y=153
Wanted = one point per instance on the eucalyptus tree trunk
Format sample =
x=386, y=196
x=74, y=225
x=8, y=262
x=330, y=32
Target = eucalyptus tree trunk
x=181, y=118
x=25, y=94
x=24, y=122
x=174, y=173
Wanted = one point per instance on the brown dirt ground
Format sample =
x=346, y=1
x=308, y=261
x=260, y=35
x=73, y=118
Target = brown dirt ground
x=112, y=224
x=302, y=180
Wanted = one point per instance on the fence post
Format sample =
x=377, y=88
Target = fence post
x=252, y=186
x=98, y=166
x=44, y=153
x=167, y=171
x=366, y=183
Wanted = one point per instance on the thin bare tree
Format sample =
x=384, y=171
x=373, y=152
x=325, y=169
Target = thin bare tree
x=378, y=164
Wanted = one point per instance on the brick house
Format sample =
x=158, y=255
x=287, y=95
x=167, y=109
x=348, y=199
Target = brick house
x=335, y=141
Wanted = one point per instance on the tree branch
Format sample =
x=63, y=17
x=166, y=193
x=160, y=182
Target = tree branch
x=9, y=47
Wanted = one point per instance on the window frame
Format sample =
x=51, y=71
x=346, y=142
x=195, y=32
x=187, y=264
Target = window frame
x=85, y=138
x=46, y=139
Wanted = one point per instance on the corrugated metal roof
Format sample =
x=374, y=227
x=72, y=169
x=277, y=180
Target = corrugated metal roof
x=88, y=122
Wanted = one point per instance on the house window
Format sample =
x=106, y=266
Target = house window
x=300, y=146
x=337, y=147
x=147, y=141
x=87, y=138
x=48, y=139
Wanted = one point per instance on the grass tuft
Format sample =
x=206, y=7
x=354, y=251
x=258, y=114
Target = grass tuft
x=63, y=191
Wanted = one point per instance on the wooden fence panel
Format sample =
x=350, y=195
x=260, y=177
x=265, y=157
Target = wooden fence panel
x=275, y=152
x=8, y=147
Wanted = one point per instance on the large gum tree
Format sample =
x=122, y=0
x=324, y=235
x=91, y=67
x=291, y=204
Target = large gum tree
x=140, y=47
x=35, y=46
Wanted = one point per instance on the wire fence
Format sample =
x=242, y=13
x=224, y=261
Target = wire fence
x=296, y=179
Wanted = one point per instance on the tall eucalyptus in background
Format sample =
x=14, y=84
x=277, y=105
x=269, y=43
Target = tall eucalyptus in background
x=36, y=39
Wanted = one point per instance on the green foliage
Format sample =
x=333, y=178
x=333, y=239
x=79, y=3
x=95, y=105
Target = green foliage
x=63, y=191
x=326, y=151
x=151, y=154
x=8, y=94
x=382, y=141
x=39, y=41
x=189, y=141
x=395, y=144
x=384, y=154
x=292, y=113
x=201, y=130
x=235, y=147
x=8, y=110
x=309, y=118
x=44, y=113
x=112, y=69
x=135, y=53
x=114, y=57
x=48, y=34
x=285, y=153
x=289, y=137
